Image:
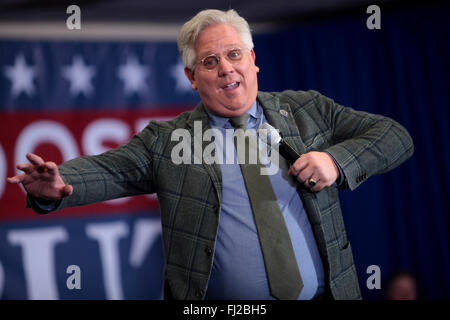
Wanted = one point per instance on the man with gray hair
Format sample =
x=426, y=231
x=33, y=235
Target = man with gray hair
x=229, y=233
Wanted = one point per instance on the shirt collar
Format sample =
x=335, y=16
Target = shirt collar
x=223, y=122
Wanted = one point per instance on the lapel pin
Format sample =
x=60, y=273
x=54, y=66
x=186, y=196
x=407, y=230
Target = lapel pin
x=284, y=113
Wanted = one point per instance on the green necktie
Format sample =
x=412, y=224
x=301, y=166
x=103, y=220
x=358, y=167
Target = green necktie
x=283, y=275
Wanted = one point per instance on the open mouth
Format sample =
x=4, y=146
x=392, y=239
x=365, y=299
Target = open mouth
x=231, y=86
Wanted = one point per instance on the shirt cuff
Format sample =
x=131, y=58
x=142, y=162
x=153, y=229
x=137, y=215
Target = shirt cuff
x=341, y=179
x=42, y=206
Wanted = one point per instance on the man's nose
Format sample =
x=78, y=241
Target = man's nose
x=224, y=67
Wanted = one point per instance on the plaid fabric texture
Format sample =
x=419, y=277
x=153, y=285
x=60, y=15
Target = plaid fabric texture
x=363, y=145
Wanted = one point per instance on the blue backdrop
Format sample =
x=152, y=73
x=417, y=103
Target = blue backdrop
x=400, y=220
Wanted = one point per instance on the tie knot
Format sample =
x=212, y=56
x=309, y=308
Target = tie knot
x=240, y=122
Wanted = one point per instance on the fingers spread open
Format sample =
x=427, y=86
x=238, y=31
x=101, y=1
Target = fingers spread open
x=51, y=167
x=25, y=167
x=16, y=179
x=35, y=159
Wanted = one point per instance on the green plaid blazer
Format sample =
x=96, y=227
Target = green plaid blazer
x=190, y=195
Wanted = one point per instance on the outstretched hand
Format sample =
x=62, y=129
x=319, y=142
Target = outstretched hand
x=41, y=179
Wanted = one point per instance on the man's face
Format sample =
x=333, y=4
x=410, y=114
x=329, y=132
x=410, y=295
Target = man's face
x=229, y=89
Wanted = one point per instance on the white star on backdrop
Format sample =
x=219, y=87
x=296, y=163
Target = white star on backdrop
x=21, y=76
x=80, y=76
x=133, y=75
x=182, y=82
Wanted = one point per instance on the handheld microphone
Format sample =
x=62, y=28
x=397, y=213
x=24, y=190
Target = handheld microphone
x=270, y=136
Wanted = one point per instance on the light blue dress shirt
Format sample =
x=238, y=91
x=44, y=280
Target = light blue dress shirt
x=238, y=270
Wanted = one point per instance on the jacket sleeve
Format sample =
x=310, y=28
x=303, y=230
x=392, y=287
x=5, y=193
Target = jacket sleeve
x=363, y=144
x=120, y=172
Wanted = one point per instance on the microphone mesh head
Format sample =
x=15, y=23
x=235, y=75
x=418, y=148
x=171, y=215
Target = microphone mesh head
x=268, y=134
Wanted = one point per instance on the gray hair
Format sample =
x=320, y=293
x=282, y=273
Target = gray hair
x=190, y=31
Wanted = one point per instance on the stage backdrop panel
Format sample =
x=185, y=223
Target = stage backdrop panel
x=66, y=99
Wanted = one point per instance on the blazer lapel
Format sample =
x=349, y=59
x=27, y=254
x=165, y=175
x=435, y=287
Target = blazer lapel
x=280, y=117
x=197, y=124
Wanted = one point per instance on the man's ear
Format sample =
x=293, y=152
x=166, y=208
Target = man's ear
x=190, y=75
x=252, y=53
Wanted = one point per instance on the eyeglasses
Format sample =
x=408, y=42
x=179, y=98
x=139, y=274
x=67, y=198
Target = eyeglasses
x=234, y=56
